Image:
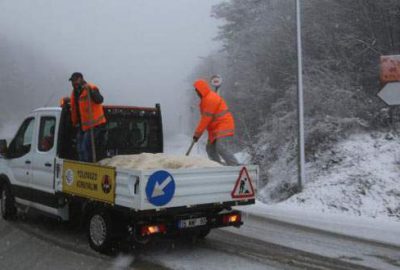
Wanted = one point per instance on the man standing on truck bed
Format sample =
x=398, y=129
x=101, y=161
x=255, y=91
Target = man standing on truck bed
x=87, y=115
x=219, y=122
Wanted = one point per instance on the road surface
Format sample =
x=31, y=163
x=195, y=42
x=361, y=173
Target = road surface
x=42, y=243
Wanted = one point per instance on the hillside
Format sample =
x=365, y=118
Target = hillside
x=358, y=176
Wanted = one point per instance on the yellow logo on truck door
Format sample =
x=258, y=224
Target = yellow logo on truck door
x=89, y=181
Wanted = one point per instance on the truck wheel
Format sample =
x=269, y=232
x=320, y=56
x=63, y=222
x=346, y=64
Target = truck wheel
x=7, y=204
x=99, y=230
x=203, y=233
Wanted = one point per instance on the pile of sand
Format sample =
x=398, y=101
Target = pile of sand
x=148, y=161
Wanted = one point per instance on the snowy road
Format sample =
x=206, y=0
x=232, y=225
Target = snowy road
x=337, y=249
x=41, y=243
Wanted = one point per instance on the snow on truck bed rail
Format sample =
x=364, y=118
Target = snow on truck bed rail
x=147, y=161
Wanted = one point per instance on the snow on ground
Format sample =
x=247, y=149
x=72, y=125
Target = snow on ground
x=179, y=144
x=359, y=176
x=243, y=157
x=196, y=258
x=377, y=230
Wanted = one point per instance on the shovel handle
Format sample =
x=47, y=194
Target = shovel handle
x=190, y=148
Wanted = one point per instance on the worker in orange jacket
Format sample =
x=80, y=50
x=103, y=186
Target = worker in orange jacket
x=87, y=114
x=219, y=122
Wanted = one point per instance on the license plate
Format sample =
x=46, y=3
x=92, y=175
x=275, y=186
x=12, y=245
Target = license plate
x=193, y=222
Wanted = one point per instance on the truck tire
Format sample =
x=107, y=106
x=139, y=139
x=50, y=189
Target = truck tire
x=203, y=233
x=99, y=231
x=7, y=203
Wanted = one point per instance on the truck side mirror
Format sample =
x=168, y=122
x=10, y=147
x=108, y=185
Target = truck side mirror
x=3, y=147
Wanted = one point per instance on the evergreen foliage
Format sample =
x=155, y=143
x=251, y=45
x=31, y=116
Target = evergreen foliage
x=342, y=43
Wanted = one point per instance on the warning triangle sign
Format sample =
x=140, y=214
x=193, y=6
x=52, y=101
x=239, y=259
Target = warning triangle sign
x=243, y=187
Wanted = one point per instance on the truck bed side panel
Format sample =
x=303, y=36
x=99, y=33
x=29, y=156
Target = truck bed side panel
x=201, y=186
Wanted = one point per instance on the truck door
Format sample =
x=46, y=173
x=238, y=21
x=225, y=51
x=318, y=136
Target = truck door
x=19, y=156
x=43, y=157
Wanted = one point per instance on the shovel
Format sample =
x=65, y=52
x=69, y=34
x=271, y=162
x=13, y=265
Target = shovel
x=190, y=148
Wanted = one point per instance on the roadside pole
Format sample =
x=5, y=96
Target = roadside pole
x=300, y=112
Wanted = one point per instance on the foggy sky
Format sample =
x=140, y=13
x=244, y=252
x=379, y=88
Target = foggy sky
x=139, y=52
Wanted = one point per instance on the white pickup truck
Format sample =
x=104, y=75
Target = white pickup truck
x=39, y=170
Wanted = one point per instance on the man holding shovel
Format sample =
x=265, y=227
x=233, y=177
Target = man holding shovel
x=219, y=122
x=87, y=116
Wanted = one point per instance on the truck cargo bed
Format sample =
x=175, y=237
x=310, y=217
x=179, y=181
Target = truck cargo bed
x=142, y=190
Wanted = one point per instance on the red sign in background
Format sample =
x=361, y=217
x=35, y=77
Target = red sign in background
x=390, y=68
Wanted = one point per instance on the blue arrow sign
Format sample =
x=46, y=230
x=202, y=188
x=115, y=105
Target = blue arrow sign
x=160, y=188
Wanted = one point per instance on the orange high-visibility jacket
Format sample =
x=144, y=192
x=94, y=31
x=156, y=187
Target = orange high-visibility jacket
x=87, y=121
x=215, y=115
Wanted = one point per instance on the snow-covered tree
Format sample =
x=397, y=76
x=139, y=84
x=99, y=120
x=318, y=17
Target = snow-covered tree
x=342, y=42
